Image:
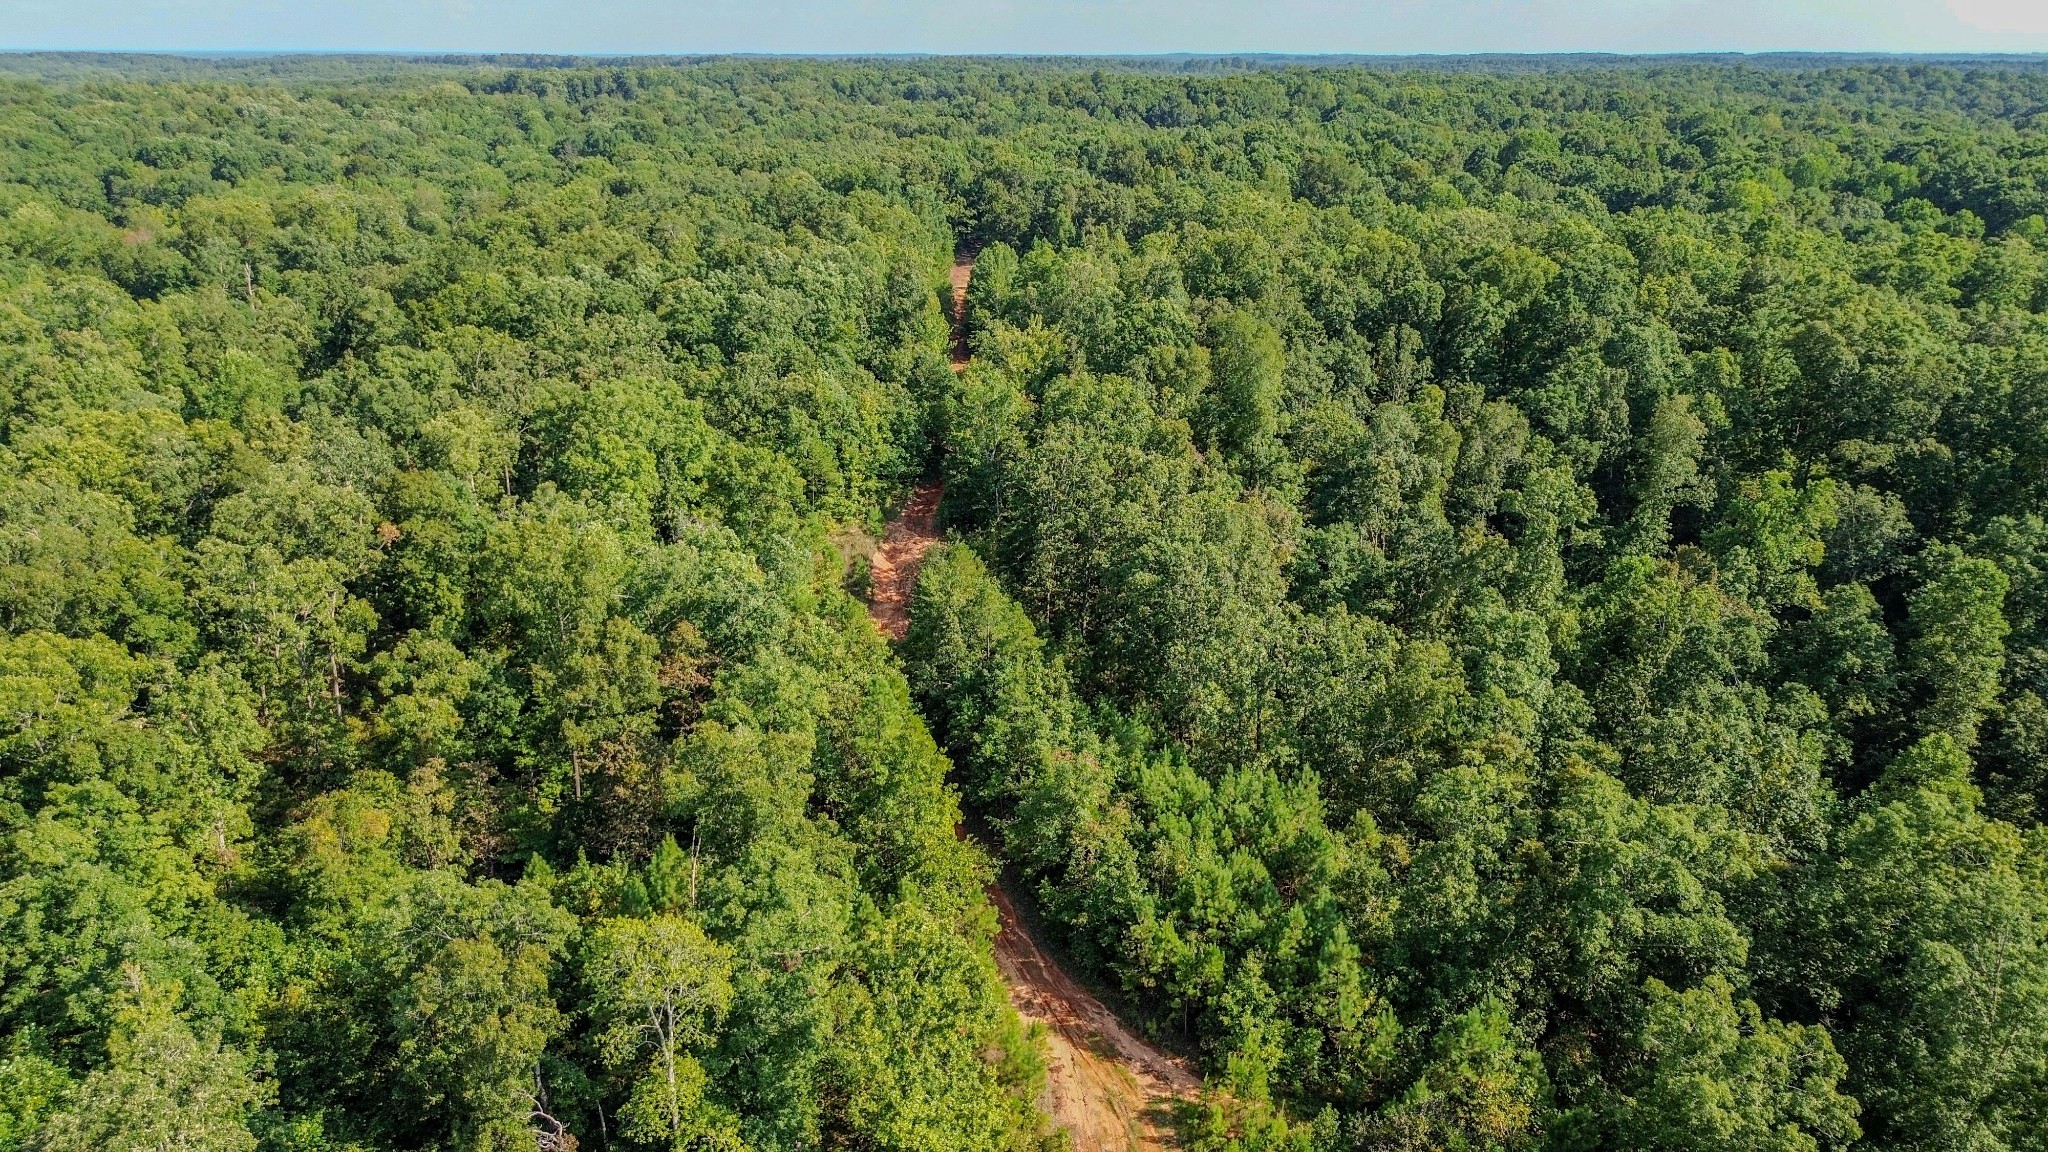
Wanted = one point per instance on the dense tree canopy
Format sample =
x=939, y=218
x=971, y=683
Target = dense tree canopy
x=1497, y=610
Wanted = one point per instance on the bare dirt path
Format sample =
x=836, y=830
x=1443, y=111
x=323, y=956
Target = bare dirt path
x=1108, y=1088
x=963, y=268
x=892, y=571
x=1105, y=1085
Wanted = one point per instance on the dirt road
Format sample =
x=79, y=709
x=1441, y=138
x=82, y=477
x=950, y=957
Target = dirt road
x=1105, y=1085
x=1110, y=1090
x=963, y=269
x=892, y=571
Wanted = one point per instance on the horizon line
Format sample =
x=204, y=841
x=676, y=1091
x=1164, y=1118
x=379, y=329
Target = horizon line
x=449, y=54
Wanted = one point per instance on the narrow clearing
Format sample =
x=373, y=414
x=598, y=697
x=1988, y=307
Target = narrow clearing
x=1108, y=1088
x=963, y=268
x=892, y=571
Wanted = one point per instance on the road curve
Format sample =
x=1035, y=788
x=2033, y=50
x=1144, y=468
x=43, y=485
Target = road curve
x=1105, y=1086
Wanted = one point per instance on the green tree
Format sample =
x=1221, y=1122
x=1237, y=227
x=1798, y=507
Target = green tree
x=1958, y=644
x=1243, y=408
x=162, y=1088
x=661, y=987
x=1716, y=1075
x=1934, y=958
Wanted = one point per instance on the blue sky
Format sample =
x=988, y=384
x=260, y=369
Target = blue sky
x=1030, y=25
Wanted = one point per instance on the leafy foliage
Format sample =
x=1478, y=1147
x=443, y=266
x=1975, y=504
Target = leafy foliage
x=1476, y=598
x=1500, y=610
x=431, y=715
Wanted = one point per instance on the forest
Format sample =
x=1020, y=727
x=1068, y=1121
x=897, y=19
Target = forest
x=1492, y=609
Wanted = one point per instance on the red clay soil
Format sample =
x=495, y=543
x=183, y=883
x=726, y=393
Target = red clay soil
x=963, y=267
x=1109, y=1090
x=892, y=572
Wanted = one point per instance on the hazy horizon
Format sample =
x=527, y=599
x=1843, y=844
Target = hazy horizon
x=1053, y=27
